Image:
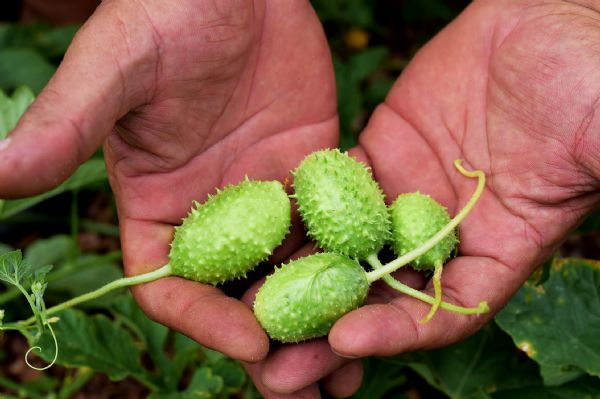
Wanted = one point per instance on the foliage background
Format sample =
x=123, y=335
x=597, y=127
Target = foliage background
x=544, y=344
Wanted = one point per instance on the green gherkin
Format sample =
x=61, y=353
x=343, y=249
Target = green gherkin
x=417, y=217
x=231, y=232
x=303, y=299
x=342, y=206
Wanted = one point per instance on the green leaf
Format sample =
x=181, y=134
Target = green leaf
x=49, y=251
x=381, y=377
x=4, y=248
x=350, y=78
x=154, y=338
x=484, y=363
x=557, y=323
x=12, y=268
x=89, y=272
x=204, y=383
x=590, y=224
x=583, y=388
x=348, y=12
x=231, y=373
x=24, y=67
x=95, y=342
x=52, y=42
x=11, y=108
x=364, y=64
x=423, y=11
x=91, y=172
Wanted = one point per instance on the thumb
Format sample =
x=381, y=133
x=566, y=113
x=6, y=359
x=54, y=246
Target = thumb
x=91, y=90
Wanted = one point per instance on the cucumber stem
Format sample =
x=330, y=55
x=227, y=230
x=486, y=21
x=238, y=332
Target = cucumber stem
x=164, y=271
x=437, y=237
x=437, y=286
x=420, y=295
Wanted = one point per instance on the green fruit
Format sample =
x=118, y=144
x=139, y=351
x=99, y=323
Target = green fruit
x=303, y=299
x=342, y=206
x=415, y=218
x=231, y=232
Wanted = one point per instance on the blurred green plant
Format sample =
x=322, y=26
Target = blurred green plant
x=29, y=53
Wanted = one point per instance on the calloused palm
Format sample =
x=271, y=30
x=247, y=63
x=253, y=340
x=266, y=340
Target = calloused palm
x=185, y=98
x=512, y=88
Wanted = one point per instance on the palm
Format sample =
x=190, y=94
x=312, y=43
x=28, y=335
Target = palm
x=186, y=99
x=253, y=108
x=491, y=104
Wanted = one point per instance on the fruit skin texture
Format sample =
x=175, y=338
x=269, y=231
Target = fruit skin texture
x=231, y=232
x=415, y=218
x=341, y=205
x=303, y=299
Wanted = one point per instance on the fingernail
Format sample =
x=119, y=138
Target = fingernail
x=4, y=143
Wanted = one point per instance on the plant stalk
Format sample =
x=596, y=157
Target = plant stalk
x=164, y=271
x=420, y=295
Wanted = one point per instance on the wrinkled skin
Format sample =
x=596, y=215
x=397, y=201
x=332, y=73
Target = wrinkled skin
x=231, y=89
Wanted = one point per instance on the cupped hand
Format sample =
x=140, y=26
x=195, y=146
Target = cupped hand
x=512, y=88
x=185, y=98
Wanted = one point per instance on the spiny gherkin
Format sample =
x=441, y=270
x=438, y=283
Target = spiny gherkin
x=415, y=218
x=231, y=232
x=342, y=206
x=303, y=299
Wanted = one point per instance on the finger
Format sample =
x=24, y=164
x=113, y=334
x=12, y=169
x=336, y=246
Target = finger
x=393, y=328
x=345, y=381
x=77, y=109
x=200, y=311
x=293, y=367
x=254, y=370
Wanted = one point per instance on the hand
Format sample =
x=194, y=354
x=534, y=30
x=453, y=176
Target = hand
x=510, y=88
x=185, y=98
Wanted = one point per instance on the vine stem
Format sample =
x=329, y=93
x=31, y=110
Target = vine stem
x=164, y=271
x=483, y=307
x=437, y=237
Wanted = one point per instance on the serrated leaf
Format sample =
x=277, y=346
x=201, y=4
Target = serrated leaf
x=557, y=323
x=93, y=341
x=12, y=268
x=11, y=108
x=91, y=172
x=484, y=363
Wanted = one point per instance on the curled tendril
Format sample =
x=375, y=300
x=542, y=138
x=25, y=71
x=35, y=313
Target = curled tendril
x=39, y=349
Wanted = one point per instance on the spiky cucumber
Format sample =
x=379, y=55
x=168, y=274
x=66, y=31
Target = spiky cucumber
x=303, y=299
x=340, y=203
x=231, y=232
x=220, y=240
x=415, y=218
